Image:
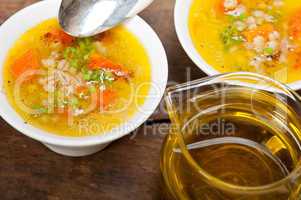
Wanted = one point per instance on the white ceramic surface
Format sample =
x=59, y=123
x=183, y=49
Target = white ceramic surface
x=181, y=15
x=27, y=18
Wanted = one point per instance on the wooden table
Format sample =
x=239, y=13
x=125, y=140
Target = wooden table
x=127, y=169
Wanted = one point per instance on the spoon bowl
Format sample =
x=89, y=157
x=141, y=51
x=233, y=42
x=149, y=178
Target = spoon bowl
x=89, y=17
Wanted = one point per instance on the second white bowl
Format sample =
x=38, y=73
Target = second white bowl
x=181, y=17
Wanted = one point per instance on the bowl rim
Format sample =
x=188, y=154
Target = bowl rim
x=181, y=15
x=148, y=38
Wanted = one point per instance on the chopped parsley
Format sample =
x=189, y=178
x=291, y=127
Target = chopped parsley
x=230, y=37
x=241, y=17
x=79, y=54
x=268, y=51
x=100, y=76
x=74, y=102
x=39, y=110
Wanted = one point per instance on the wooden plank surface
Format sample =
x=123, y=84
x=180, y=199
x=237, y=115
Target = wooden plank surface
x=127, y=169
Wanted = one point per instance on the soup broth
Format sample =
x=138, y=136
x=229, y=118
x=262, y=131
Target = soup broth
x=76, y=87
x=262, y=36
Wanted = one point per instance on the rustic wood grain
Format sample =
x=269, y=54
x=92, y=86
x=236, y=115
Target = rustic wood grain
x=8, y=7
x=127, y=169
x=181, y=69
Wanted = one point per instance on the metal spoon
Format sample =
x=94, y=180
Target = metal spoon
x=83, y=18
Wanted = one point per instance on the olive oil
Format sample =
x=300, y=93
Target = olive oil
x=246, y=158
x=241, y=143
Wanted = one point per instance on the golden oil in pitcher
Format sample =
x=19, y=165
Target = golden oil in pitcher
x=233, y=142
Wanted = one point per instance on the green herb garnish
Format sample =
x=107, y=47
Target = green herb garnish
x=100, y=76
x=74, y=102
x=92, y=89
x=231, y=36
x=79, y=54
x=109, y=77
x=87, y=74
x=241, y=17
x=268, y=51
x=39, y=110
x=276, y=14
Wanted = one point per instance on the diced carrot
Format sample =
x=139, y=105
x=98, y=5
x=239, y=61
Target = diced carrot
x=297, y=64
x=102, y=100
x=82, y=89
x=220, y=9
x=63, y=112
x=99, y=62
x=58, y=35
x=105, y=98
x=295, y=25
x=295, y=58
x=263, y=31
x=28, y=61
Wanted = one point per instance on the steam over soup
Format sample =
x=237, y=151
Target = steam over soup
x=76, y=87
x=262, y=36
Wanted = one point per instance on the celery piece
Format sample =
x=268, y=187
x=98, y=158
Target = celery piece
x=269, y=51
x=92, y=89
x=230, y=37
x=39, y=110
x=74, y=102
x=79, y=54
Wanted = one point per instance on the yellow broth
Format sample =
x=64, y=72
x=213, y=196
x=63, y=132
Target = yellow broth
x=207, y=23
x=120, y=46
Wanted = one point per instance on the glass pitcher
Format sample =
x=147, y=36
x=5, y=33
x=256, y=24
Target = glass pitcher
x=233, y=136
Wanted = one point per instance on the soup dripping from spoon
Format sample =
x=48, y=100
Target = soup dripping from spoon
x=84, y=18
